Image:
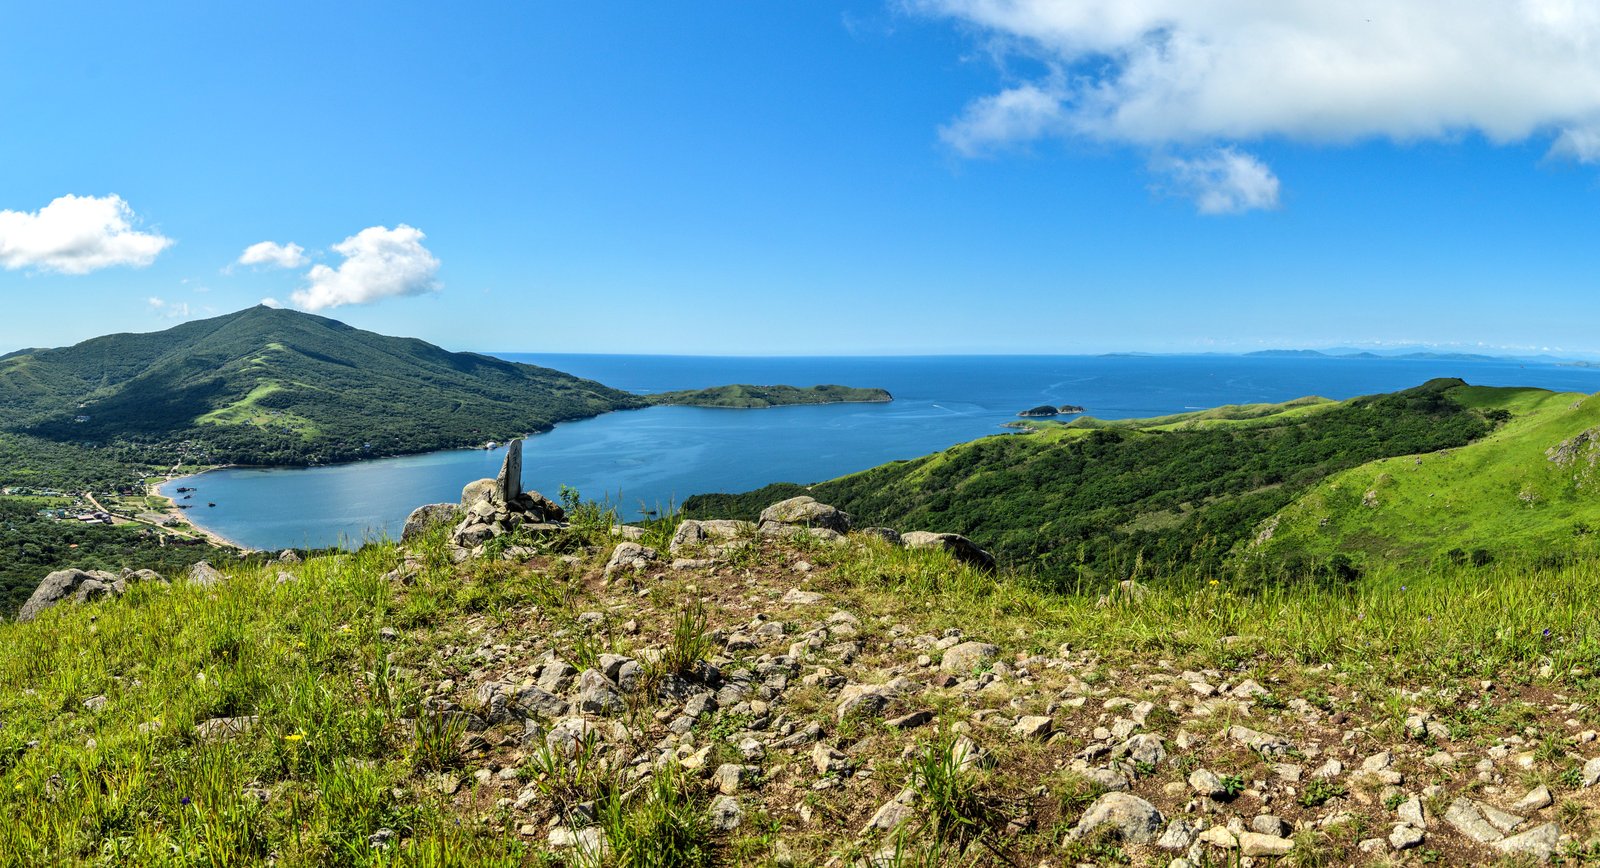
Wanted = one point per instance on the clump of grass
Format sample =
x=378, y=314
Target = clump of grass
x=952, y=808
x=689, y=645
x=664, y=825
x=438, y=741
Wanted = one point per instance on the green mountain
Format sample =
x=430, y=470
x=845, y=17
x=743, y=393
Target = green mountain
x=747, y=397
x=1307, y=488
x=268, y=386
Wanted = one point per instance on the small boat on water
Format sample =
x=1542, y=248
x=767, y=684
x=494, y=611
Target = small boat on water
x=188, y=497
x=210, y=504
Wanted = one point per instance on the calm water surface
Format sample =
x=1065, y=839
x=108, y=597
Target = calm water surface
x=648, y=459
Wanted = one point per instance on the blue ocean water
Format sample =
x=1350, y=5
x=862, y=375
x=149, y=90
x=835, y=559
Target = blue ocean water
x=653, y=459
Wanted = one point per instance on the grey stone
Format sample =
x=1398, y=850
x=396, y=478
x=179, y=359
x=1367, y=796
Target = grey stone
x=597, y=695
x=220, y=728
x=1405, y=836
x=887, y=534
x=95, y=703
x=825, y=759
x=797, y=597
x=1270, y=824
x=59, y=585
x=1033, y=727
x=1143, y=748
x=1464, y=815
x=963, y=659
x=802, y=512
x=508, y=485
x=1590, y=774
x=1206, y=783
x=1178, y=836
x=629, y=556
x=1411, y=813
x=476, y=492
x=893, y=813
x=1135, y=820
x=426, y=516
x=727, y=778
x=1257, y=844
x=959, y=547
x=1264, y=743
x=1539, y=842
x=1537, y=798
x=726, y=815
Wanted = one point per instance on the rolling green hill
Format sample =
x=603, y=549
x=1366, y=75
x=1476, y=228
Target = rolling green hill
x=1531, y=487
x=267, y=386
x=1093, y=498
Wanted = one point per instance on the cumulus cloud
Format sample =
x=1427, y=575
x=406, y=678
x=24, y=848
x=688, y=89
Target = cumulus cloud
x=77, y=235
x=1166, y=74
x=379, y=263
x=274, y=255
x=1225, y=181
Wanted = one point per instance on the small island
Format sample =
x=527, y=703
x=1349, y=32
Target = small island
x=748, y=397
x=1046, y=410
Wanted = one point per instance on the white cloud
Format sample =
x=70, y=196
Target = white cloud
x=1163, y=73
x=77, y=235
x=1224, y=181
x=379, y=263
x=275, y=255
x=271, y=302
x=168, y=309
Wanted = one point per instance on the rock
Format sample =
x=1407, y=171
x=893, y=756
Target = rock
x=1264, y=743
x=629, y=556
x=1178, y=836
x=825, y=759
x=508, y=485
x=727, y=778
x=475, y=492
x=1538, y=843
x=964, y=659
x=1466, y=817
x=1257, y=844
x=80, y=585
x=95, y=703
x=887, y=534
x=861, y=700
x=1537, y=798
x=694, y=534
x=204, y=574
x=1405, y=836
x=426, y=516
x=1135, y=820
x=1589, y=776
x=725, y=813
x=959, y=547
x=565, y=737
x=801, y=513
x=1220, y=837
x=1145, y=748
x=910, y=721
x=1411, y=813
x=1270, y=824
x=1033, y=727
x=589, y=842
x=893, y=814
x=221, y=728
x=797, y=597
x=1206, y=783
x=597, y=695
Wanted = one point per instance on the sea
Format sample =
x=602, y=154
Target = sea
x=648, y=461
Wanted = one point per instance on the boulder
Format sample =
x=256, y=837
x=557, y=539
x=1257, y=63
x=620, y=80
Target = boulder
x=80, y=585
x=799, y=513
x=959, y=547
x=204, y=574
x=426, y=516
x=629, y=556
x=693, y=534
x=475, y=492
x=963, y=659
x=887, y=534
x=1135, y=820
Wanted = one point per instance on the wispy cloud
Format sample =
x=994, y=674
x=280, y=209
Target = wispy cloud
x=77, y=235
x=168, y=309
x=1224, y=181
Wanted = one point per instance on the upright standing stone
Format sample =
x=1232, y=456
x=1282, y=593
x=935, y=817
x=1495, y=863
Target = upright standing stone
x=508, y=485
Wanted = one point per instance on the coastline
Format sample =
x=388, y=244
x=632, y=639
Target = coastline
x=153, y=489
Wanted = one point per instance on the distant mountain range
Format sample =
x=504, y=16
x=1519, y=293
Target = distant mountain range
x=1392, y=353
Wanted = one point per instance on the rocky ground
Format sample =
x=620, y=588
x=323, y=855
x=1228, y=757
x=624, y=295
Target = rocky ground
x=827, y=725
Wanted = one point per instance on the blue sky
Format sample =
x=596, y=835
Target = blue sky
x=810, y=177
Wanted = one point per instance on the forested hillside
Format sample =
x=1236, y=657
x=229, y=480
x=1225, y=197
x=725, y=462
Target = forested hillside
x=1172, y=494
x=267, y=386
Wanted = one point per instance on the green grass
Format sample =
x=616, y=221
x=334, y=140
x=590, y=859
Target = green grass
x=1501, y=494
x=249, y=411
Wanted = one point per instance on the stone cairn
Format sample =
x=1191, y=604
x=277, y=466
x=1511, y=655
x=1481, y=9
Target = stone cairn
x=491, y=508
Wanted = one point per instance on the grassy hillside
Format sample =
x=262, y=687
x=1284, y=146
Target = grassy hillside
x=747, y=397
x=1097, y=498
x=265, y=386
x=1529, y=487
x=371, y=742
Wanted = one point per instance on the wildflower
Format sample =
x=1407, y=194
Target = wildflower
x=1547, y=632
x=184, y=801
x=295, y=738
x=1214, y=583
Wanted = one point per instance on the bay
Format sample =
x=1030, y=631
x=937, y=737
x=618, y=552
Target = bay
x=652, y=459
